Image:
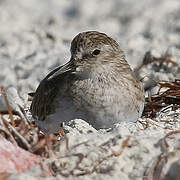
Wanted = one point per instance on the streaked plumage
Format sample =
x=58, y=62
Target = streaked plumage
x=96, y=85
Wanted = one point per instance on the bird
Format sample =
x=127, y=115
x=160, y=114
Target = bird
x=97, y=85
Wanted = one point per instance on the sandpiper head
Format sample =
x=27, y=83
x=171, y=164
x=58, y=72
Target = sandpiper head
x=91, y=48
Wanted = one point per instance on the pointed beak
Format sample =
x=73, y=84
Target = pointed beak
x=68, y=67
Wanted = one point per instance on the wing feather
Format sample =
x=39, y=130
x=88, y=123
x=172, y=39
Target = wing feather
x=44, y=97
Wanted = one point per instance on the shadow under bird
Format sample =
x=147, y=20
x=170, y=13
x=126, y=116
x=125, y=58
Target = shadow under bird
x=96, y=85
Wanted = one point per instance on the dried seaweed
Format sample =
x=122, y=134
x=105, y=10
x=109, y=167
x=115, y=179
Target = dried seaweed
x=170, y=96
x=23, y=132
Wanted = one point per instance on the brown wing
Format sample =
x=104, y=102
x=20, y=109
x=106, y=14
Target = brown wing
x=42, y=103
x=43, y=100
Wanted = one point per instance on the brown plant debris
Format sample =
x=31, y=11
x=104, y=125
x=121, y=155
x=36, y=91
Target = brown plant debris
x=25, y=134
x=170, y=96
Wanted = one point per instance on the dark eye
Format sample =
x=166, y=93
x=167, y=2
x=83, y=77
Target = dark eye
x=96, y=52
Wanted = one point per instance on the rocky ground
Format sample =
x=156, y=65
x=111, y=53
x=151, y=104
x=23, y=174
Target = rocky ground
x=35, y=37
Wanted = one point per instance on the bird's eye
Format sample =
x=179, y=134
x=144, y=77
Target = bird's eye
x=96, y=52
